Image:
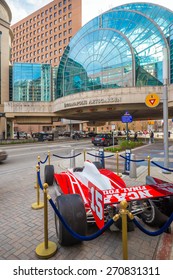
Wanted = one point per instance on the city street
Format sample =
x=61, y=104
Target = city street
x=22, y=227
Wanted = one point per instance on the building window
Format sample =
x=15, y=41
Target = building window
x=70, y=6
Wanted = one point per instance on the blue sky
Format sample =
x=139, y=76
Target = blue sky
x=91, y=8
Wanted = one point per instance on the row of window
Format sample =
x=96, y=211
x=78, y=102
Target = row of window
x=55, y=22
x=51, y=61
x=55, y=52
x=56, y=29
x=65, y=33
x=21, y=26
x=42, y=43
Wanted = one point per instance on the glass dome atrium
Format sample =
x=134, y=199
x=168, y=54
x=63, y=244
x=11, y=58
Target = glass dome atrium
x=122, y=47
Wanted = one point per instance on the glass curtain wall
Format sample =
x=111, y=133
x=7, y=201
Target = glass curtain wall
x=31, y=82
x=171, y=53
x=120, y=48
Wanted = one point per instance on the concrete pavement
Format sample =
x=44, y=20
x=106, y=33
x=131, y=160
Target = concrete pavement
x=21, y=229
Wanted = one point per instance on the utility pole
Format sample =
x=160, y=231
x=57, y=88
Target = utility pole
x=165, y=108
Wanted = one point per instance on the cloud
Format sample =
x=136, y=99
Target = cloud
x=22, y=8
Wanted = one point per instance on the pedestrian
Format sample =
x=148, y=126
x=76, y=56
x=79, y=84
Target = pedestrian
x=135, y=136
x=18, y=135
x=152, y=136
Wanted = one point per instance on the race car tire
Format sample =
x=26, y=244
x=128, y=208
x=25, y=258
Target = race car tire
x=153, y=216
x=72, y=209
x=97, y=164
x=130, y=224
x=49, y=174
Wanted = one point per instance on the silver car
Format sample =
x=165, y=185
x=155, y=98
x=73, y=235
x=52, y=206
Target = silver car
x=3, y=155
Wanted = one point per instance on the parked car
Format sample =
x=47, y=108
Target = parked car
x=91, y=134
x=3, y=155
x=43, y=136
x=21, y=135
x=104, y=139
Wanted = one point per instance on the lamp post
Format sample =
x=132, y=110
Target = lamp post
x=165, y=108
x=0, y=65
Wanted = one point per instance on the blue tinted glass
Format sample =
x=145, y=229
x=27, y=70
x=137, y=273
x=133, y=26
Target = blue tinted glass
x=31, y=82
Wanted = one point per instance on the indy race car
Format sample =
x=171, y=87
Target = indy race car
x=92, y=194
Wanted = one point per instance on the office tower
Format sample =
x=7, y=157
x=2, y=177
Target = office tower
x=42, y=36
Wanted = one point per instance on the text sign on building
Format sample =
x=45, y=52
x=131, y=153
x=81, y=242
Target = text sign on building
x=126, y=118
x=152, y=100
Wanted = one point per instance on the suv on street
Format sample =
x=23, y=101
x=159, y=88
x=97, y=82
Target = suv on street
x=104, y=139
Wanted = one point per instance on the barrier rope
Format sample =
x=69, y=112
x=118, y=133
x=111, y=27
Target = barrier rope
x=158, y=165
x=44, y=160
x=100, y=156
x=39, y=179
x=76, y=235
x=134, y=160
x=67, y=157
x=157, y=232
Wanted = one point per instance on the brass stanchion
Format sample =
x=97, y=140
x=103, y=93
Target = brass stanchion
x=48, y=157
x=38, y=204
x=47, y=248
x=148, y=158
x=123, y=214
x=84, y=155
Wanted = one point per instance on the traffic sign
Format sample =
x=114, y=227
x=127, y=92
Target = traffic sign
x=152, y=100
x=126, y=118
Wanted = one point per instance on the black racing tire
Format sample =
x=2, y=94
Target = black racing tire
x=153, y=216
x=49, y=174
x=72, y=209
x=97, y=164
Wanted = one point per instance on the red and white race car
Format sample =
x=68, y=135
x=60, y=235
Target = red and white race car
x=91, y=194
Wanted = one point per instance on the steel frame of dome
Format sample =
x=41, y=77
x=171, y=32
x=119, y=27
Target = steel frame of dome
x=144, y=27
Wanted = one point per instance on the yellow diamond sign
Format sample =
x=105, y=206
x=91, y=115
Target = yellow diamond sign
x=152, y=100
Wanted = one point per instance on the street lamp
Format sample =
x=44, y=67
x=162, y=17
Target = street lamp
x=0, y=65
x=165, y=108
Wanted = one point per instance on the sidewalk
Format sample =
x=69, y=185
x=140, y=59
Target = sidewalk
x=22, y=230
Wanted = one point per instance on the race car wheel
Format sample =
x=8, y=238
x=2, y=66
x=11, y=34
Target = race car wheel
x=73, y=212
x=97, y=164
x=153, y=216
x=49, y=174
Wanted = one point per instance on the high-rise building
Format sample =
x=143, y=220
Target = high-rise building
x=42, y=36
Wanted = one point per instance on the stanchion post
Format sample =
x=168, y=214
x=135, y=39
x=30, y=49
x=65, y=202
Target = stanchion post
x=149, y=163
x=123, y=212
x=117, y=159
x=48, y=157
x=84, y=155
x=47, y=248
x=38, y=204
x=38, y=160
